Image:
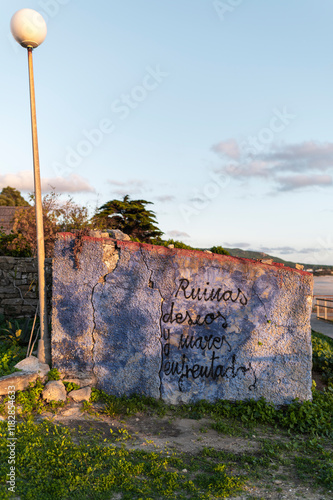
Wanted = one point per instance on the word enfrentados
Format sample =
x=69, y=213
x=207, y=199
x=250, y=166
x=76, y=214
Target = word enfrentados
x=228, y=370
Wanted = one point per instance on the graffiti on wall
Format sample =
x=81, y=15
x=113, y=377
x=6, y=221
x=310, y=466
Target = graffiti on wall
x=195, y=340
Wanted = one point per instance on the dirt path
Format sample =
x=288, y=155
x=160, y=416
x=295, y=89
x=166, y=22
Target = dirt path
x=186, y=436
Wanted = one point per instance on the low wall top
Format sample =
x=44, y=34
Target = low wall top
x=181, y=325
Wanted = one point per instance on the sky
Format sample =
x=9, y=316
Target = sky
x=220, y=113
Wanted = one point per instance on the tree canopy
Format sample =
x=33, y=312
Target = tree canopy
x=58, y=216
x=11, y=197
x=130, y=216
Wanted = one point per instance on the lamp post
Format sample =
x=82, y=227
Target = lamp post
x=29, y=30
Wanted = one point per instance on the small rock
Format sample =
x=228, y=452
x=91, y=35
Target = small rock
x=171, y=246
x=19, y=380
x=82, y=382
x=33, y=365
x=74, y=411
x=266, y=261
x=184, y=470
x=54, y=391
x=116, y=234
x=207, y=251
x=81, y=394
x=95, y=233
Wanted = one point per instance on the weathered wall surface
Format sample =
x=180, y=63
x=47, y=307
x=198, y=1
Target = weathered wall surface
x=18, y=286
x=181, y=325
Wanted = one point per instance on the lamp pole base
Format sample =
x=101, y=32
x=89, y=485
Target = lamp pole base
x=44, y=351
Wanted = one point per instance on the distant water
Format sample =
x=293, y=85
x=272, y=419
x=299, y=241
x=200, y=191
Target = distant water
x=323, y=285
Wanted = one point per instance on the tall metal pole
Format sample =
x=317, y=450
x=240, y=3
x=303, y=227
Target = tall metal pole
x=44, y=345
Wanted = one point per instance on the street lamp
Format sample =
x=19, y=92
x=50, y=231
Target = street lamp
x=29, y=30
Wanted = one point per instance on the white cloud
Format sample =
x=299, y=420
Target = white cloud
x=286, y=250
x=177, y=234
x=241, y=244
x=308, y=155
x=308, y=159
x=130, y=182
x=255, y=168
x=282, y=250
x=132, y=187
x=227, y=148
x=23, y=181
x=165, y=198
x=299, y=181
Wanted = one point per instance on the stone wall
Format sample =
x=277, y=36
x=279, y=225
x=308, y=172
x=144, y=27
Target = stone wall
x=19, y=286
x=180, y=325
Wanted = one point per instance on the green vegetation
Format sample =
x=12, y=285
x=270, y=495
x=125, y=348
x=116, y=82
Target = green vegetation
x=57, y=216
x=78, y=463
x=130, y=216
x=314, y=418
x=175, y=243
x=14, y=245
x=54, y=462
x=12, y=351
x=11, y=197
x=53, y=374
x=10, y=354
x=292, y=443
x=220, y=250
x=15, y=331
x=322, y=356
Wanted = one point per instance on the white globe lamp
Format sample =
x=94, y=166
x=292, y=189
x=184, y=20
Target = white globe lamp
x=28, y=28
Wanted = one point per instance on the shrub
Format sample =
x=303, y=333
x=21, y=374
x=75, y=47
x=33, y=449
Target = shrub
x=219, y=250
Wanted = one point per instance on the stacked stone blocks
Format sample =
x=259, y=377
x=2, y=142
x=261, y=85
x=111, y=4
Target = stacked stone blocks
x=19, y=286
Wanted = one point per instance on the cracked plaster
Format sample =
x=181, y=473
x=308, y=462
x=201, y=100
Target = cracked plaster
x=136, y=318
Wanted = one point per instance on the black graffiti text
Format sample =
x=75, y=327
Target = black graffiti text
x=206, y=342
x=197, y=319
x=213, y=371
x=209, y=294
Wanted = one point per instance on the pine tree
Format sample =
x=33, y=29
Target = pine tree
x=11, y=197
x=129, y=216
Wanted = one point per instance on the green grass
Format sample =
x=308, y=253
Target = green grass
x=10, y=354
x=293, y=443
x=52, y=465
x=322, y=356
x=314, y=417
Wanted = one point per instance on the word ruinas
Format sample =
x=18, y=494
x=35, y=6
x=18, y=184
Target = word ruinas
x=184, y=371
x=209, y=294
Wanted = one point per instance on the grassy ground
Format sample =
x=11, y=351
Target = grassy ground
x=138, y=448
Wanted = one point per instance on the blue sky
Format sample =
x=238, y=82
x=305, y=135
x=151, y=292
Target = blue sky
x=219, y=112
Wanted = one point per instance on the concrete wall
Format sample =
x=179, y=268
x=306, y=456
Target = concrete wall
x=181, y=325
x=18, y=286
